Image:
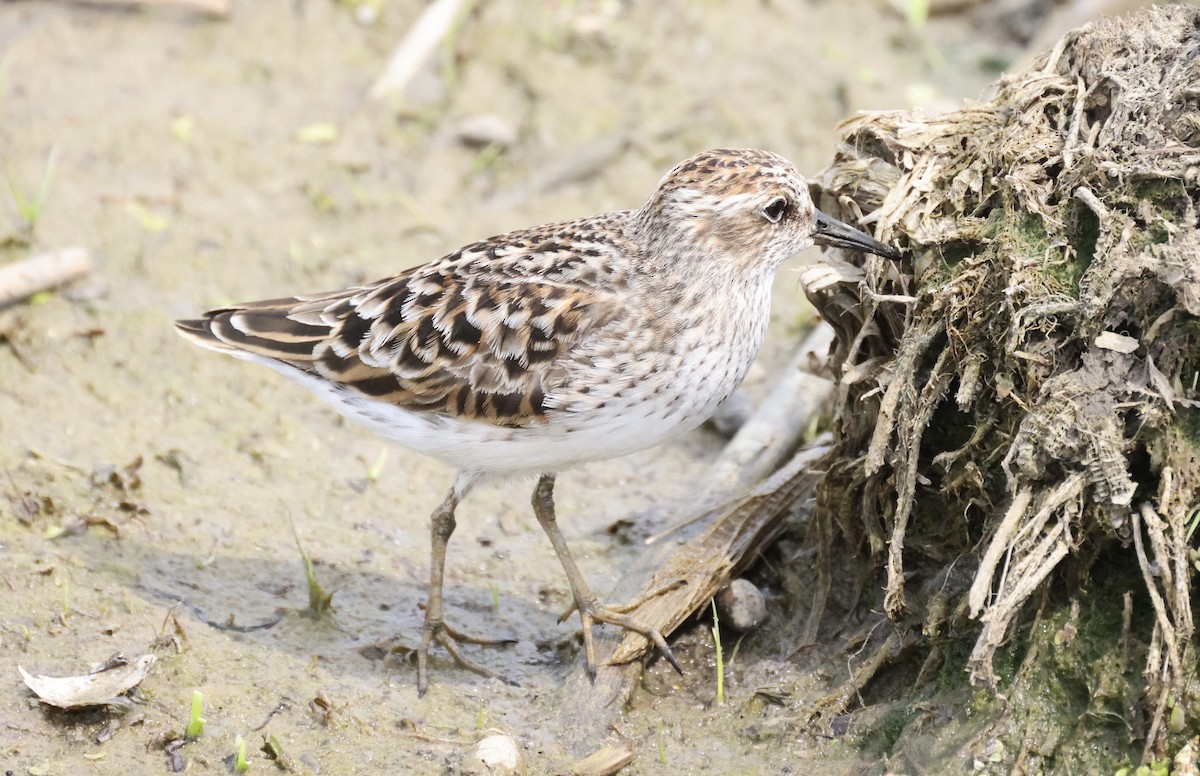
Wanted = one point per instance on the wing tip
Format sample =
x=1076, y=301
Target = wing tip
x=251, y=332
x=196, y=326
x=199, y=331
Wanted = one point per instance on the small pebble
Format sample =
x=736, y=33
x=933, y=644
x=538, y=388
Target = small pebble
x=486, y=129
x=494, y=754
x=741, y=606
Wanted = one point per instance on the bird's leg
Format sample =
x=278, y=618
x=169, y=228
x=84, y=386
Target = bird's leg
x=590, y=610
x=440, y=529
x=434, y=628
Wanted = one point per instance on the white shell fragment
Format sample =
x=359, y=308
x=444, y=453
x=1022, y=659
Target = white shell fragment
x=101, y=687
x=1110, y=340
x=495, y=754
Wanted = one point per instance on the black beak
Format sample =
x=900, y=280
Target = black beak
x=831, y=231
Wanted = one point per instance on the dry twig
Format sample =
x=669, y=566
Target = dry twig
x=414, y=51
x=20, y=279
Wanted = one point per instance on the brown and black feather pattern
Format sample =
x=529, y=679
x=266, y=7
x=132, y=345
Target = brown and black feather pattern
x=472, y=335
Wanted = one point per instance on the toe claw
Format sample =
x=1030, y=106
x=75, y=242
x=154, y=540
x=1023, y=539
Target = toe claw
x=671, y=659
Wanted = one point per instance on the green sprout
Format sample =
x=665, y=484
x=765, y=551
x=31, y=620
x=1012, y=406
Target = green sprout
x=319, y=601
x=195, y=725
x=321, y=132
x=377, y=467
x=716, y=631
x=916, y=13
x=736, y=646
x=662, y=747
x=273, y=749
x=30, y=208
x=240, y=763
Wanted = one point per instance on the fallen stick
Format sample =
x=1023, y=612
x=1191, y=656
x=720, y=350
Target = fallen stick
x=23, y=278
x=704, y=557
x=215, y=7
x=417, y=47
x=604, y=762
x=727, y=543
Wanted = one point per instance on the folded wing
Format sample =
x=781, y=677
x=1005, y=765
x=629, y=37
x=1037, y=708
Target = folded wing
x=445, y=338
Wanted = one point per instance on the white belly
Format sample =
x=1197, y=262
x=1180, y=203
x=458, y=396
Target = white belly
x=637, y=419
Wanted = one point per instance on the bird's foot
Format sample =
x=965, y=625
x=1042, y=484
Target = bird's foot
x=592, y=612
x=449, y=638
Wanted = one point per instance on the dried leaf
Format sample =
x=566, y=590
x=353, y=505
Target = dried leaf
x=98, y=688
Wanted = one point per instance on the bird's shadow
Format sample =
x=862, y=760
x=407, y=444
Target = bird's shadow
x=259, y=605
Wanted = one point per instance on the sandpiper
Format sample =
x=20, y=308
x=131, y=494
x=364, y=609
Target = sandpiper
x=544, y=348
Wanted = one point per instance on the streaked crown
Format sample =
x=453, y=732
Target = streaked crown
x=744, y=205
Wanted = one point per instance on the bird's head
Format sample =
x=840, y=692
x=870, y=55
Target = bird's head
x=743, y=205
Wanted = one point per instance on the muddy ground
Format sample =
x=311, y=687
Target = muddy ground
x=148, y=489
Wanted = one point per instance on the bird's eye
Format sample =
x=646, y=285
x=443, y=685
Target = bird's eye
x=775, y=209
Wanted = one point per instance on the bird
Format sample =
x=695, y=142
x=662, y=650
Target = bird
x=549, y=347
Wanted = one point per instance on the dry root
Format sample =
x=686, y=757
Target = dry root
x=1028, y=395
